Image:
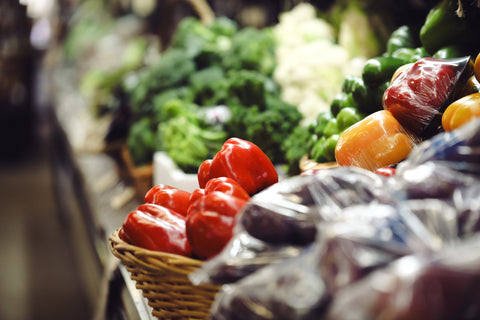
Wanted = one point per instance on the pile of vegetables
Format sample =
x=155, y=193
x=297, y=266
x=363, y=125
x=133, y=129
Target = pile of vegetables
x=225, y=81
x=212, y=82
x=199, y=224
x=313, y=57
x=363, y=95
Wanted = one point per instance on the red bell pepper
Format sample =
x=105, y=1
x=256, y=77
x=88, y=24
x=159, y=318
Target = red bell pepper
x=210, y=223
x=228, y=186
x=417, y=95
x=243, y=162
x=197, y=193
x=169, y=197
x=203, y=174
x=386, y=171
x=157, y=228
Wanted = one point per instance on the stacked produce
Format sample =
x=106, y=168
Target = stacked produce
x=441, y=69
x=348, y=243
x=200, y=223
x=211, y=83
x=372, y=238
x=215, y=81
x=313, y=57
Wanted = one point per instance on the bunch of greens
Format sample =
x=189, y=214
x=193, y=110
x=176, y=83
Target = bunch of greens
x=205, y=66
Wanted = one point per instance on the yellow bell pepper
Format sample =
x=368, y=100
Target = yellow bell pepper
x=461, y=111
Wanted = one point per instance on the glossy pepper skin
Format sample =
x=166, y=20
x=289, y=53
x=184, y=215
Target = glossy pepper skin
x=243, y=162
x=444, y=26
x=157, y=228
x=376, y=141
x=228, y=186
x=418, y=94
x=461, y=111
x=169, y=197
x=210, y=222
x=203, y=174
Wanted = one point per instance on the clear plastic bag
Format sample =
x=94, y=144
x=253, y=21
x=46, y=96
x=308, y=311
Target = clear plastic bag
x=280, y=221
x=368, y=238
x=442, y=285
x=275, y=224
x=403, y=247
x=439, y=166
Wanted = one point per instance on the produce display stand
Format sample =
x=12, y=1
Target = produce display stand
x=139, y=283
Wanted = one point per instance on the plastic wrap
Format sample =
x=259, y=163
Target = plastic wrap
x=458, y=149
x=377, y=141
x=280, y=221
x=466, y=202
x=368, y=238
x=275, y=224
x=399, y=247
x=439, y=166
x=418, y=95
x=444, y=285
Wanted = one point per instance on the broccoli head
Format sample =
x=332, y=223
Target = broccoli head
x=247, y=88
x=209, y=86
x=252, y=49
x=172, y=70
x=267, y=128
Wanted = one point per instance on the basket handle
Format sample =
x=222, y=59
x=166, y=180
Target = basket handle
x=203, y=10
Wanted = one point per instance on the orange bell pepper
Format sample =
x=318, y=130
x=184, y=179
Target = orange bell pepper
x=461, y=111
x=376, y=141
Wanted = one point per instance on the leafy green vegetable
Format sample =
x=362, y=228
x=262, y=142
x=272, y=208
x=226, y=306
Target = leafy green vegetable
x=209, y=86
x=267, y=128
x=172, y=70
x=174, y=108
x=188, y=143
x=141, y=141
x=295, y=147
x=247, y=88
x=252, y=49
x=206, y=45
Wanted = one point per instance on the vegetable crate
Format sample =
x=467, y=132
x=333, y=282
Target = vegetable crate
x=163, y=279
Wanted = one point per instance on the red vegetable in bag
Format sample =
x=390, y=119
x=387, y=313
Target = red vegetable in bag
x=418, y=95
x=157, y=228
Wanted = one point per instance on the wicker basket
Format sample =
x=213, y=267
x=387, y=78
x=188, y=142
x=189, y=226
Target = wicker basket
x=163, y=279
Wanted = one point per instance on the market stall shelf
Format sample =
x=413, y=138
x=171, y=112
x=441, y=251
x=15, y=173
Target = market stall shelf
x=164, y=281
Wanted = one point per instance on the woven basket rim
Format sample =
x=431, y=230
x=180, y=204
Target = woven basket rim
x=149, y=259
x=164, y=281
